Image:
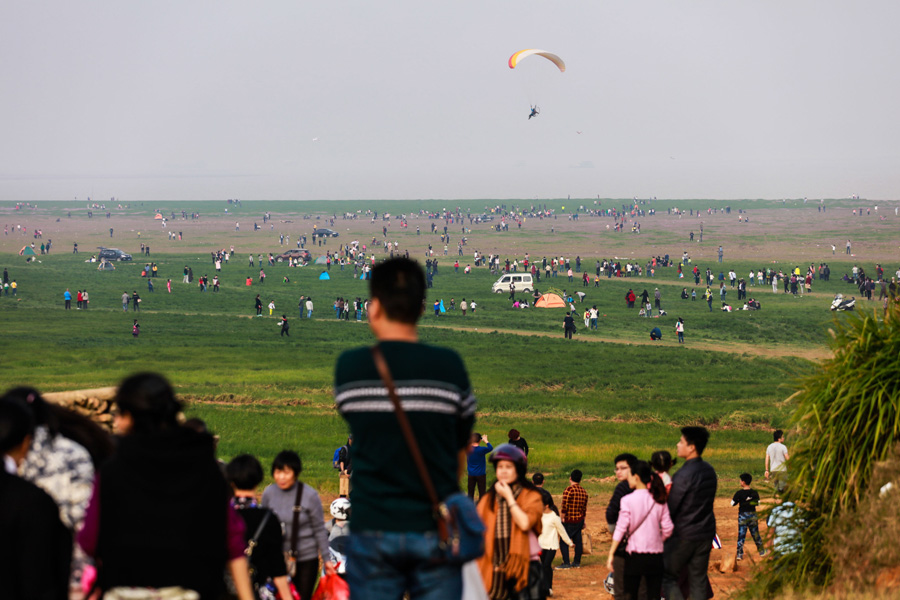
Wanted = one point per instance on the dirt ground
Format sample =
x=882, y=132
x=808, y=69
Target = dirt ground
x=801, y=235
x=587, y=582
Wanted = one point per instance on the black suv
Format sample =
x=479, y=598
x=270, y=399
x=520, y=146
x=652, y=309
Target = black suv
x=113, y=254
x=303, y=255
x=325, y=232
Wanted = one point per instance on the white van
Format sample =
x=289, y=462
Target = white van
x=521, y=281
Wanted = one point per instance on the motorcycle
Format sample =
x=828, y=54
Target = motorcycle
x=840, y=304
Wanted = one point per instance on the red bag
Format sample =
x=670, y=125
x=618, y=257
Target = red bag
x=332, y=587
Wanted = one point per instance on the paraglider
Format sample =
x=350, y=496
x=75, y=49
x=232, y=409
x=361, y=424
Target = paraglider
x=523, y=54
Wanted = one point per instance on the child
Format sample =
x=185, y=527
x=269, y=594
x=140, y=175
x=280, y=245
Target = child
x=747, y=500
x=135, y=329
x=339, y=525
x=271, y=307
x=662, y=463
x=551, y=532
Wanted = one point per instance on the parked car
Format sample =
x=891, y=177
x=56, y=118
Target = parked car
x=113, y=254
x=325, y=232
x=299, y=253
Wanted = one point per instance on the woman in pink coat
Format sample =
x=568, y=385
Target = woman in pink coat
x=644, y=520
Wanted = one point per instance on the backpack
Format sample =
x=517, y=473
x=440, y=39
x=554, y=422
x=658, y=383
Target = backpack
x=336, y=459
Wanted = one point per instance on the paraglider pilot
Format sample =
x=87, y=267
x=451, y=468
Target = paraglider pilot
x=534, y=112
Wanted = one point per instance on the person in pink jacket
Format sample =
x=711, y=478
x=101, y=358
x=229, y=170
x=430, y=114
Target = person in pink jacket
x=644, y=524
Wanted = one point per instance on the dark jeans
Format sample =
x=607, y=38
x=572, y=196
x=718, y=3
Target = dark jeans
x=385, y=564
x=748, y=520
x=568, y=334
x=547, y=557
x=692, y=555
x=305, y=577
x=647, y=567
x=574, y=531
x=480, y=481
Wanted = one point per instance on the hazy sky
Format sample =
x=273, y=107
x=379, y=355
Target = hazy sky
x=295, y=99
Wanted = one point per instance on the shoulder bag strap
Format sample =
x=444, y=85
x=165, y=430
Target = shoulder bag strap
x=641, y=522
x=255, y=539
x=385, y=373
x=295, y=523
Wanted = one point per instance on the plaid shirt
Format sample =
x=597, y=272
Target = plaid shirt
x=574, y=504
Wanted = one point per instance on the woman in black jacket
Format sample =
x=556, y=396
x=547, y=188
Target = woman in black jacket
x=244, y=473
x=159, y=514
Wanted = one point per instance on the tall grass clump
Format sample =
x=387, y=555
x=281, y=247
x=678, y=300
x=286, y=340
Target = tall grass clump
x=847, y=421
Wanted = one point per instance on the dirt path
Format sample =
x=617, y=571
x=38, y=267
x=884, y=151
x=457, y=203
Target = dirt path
x=753, y=350
x=587, y=582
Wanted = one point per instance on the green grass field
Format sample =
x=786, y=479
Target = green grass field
x=577, y=403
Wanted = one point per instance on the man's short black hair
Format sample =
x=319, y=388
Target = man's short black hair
x=576, y=476
x=746, y=478
x=537, y=479
x=287, y=459
x=399, y=286
x=778, y=434
x=629, y=458
x=244, y=472
x=697, y=437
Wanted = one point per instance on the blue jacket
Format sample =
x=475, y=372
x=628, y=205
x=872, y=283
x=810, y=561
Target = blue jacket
x=476, y=462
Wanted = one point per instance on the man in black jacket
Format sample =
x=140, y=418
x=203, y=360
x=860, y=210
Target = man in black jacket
x=569, y=325
x=623, y=463
x=691, y=507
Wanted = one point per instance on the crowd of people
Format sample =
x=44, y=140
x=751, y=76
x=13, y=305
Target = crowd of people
x=154, y=507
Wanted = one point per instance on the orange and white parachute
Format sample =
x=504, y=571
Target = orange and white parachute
x=522, y=54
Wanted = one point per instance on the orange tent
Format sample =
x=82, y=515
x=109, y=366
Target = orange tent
x=158, y=216
x=550, y=301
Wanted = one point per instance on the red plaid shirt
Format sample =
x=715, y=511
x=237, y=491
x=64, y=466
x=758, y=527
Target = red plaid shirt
x=574, y=504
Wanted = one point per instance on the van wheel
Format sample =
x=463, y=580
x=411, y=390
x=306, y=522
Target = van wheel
x=499, y=291
x=526, y=291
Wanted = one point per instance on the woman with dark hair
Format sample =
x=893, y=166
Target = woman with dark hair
x=511, y=511
x=299, y=509
x=244, y=473
x=516, y=439
x=644, y=520
x=57, y=464
x=159, y=515
x=36, y=547
x=552, y=531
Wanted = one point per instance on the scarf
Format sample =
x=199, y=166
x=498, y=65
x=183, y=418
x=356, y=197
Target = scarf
x=502, y=534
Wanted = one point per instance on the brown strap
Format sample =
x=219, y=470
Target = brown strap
x=406, y=429
x=295, y=523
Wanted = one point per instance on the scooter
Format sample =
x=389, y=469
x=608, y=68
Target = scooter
x=841, y=305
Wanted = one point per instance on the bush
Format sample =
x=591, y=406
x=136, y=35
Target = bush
x=847, y=421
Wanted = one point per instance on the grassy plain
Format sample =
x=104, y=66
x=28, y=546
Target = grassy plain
x=578, y=403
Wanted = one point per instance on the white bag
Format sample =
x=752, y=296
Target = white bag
x=472, y=583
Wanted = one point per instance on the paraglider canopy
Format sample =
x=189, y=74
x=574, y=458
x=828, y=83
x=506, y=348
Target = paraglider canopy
x=523, y=54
